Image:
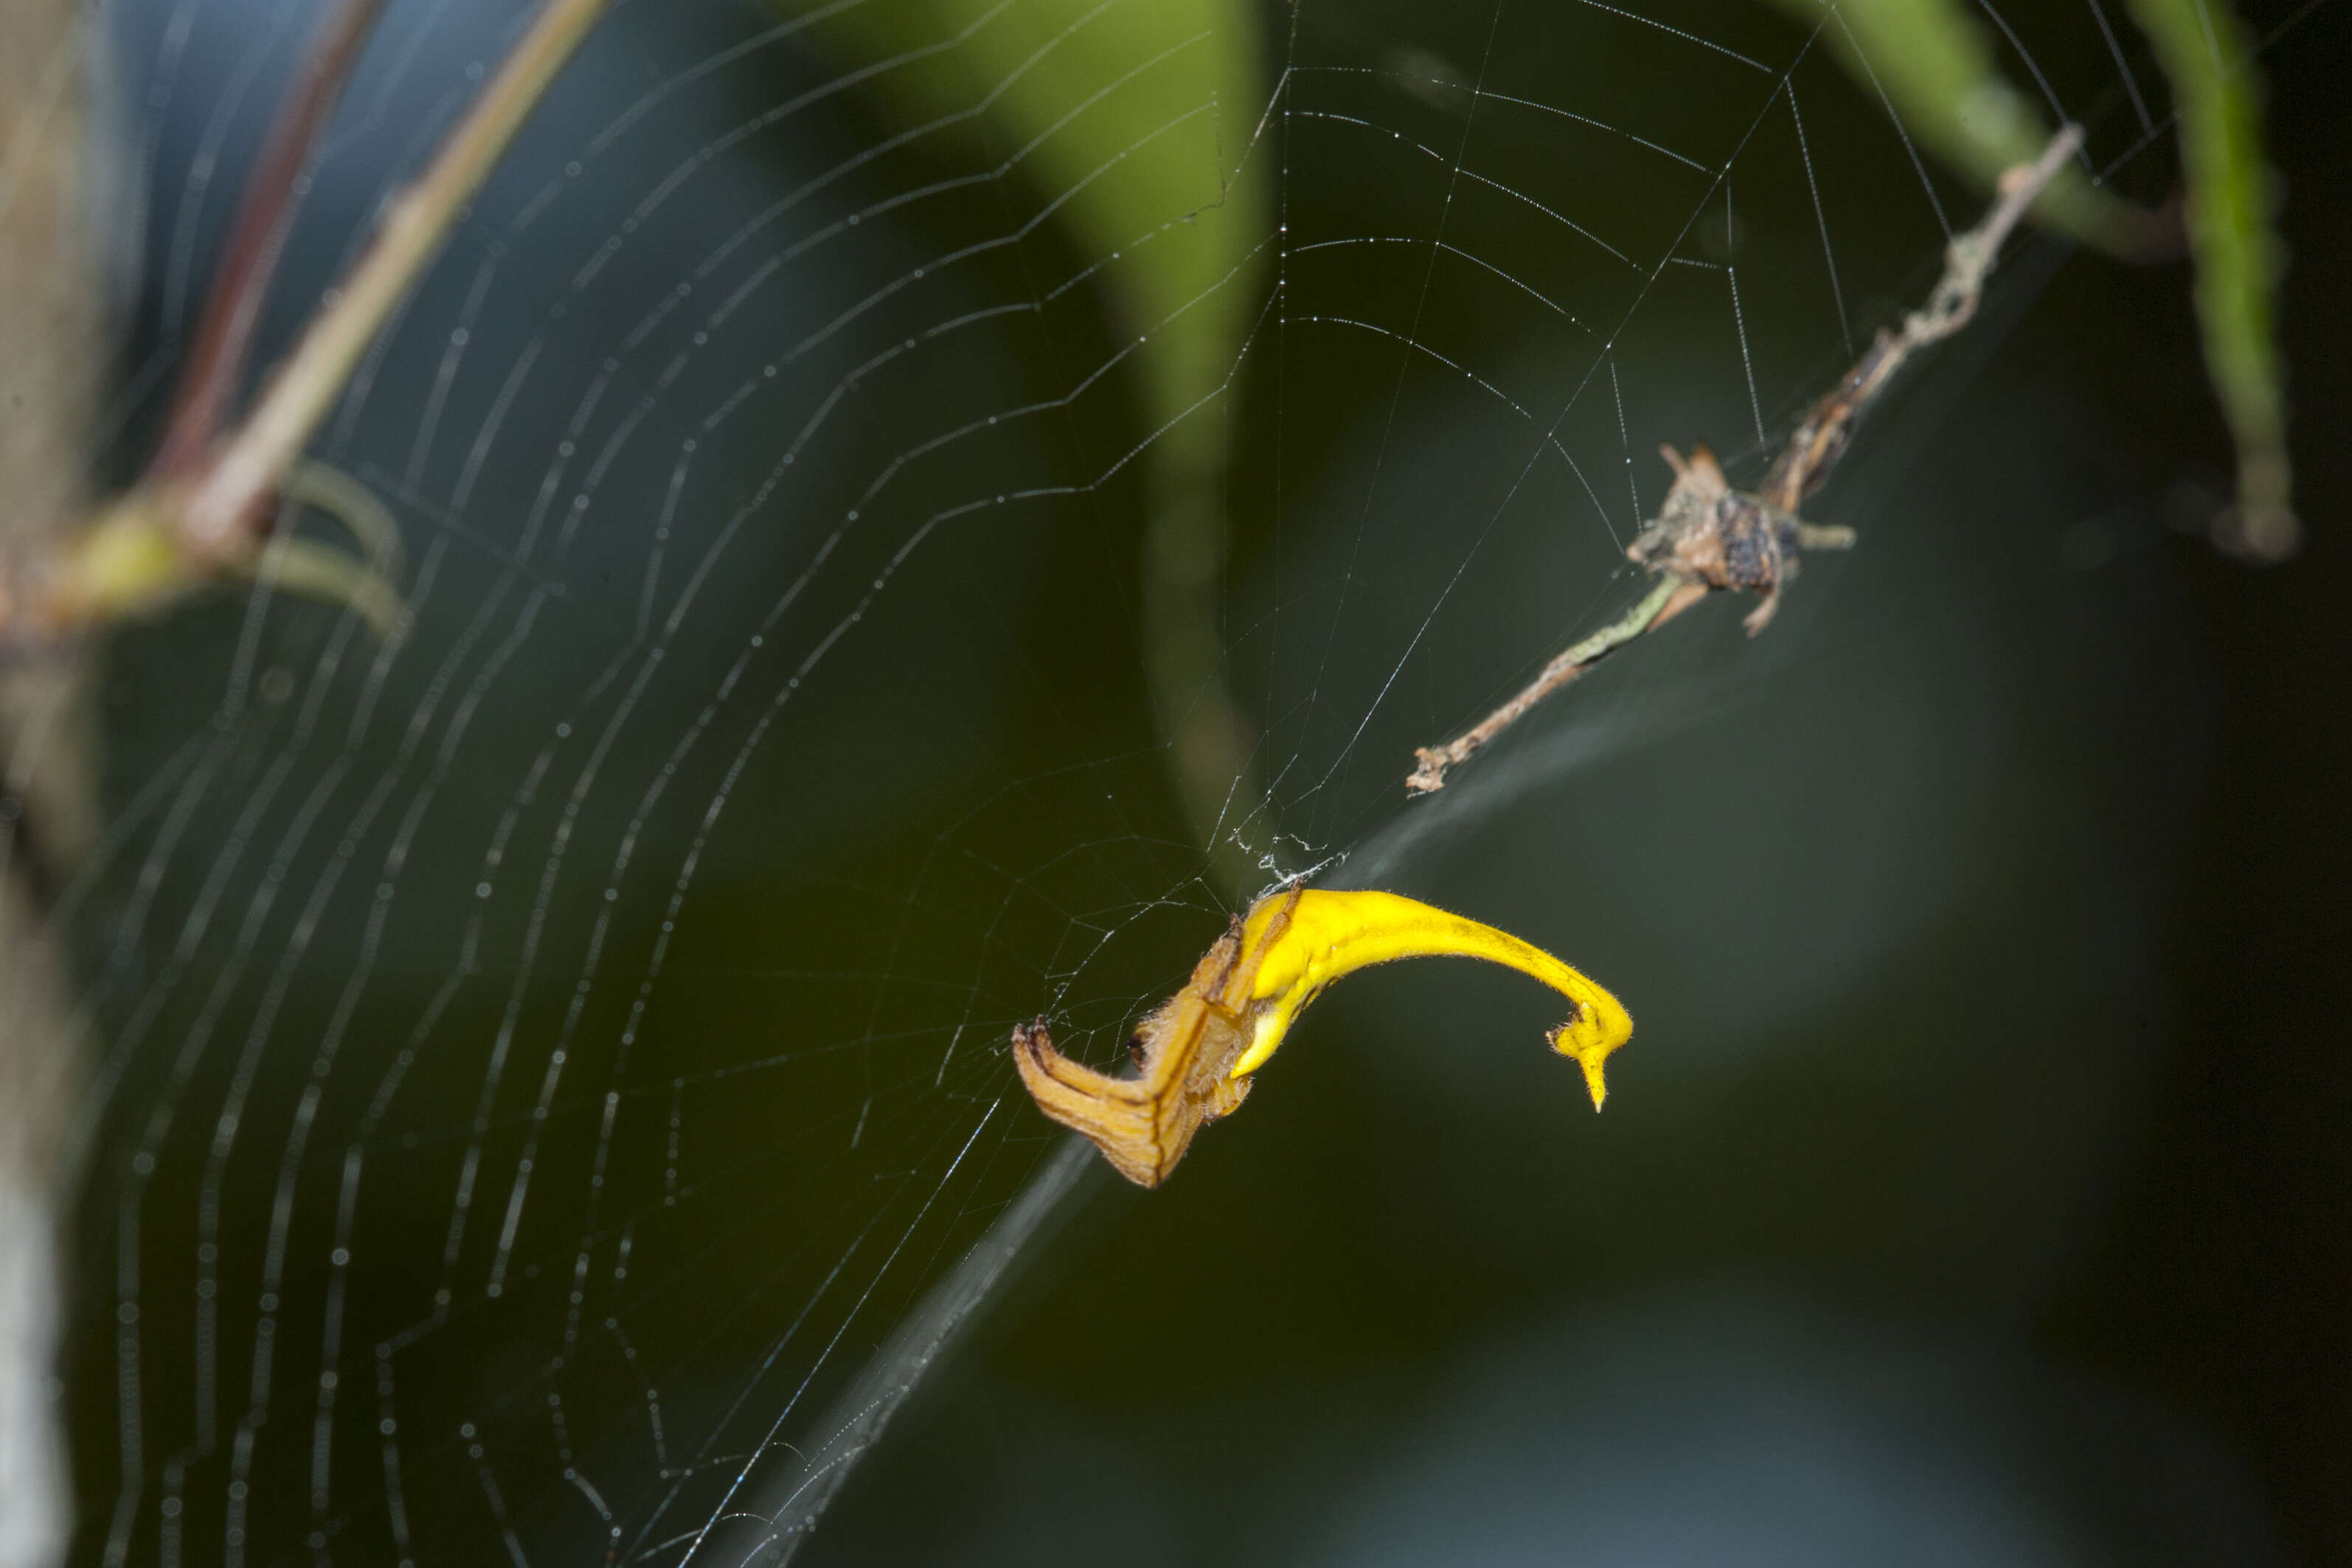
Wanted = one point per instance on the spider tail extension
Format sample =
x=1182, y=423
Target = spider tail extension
x=1562, y=1040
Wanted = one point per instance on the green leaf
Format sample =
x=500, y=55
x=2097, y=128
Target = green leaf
x=1936, y=67
x=1126, y=121
x=2232, y=196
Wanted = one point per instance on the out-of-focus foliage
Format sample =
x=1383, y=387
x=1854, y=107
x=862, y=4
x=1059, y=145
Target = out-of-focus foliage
x=2231, y=199
x=1121, y=121
x=1935, y=64
x=1121, y=117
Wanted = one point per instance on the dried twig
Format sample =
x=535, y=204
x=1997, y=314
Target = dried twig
x=1580, y=657
x=1708, y=536
x=1818, y=443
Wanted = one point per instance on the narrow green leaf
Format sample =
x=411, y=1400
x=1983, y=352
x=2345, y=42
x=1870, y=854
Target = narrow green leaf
x=2232, y=196
x=1935, y=65
x=1125, y=120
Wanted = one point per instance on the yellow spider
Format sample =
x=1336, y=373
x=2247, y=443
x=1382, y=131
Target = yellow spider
x=1197, y=1049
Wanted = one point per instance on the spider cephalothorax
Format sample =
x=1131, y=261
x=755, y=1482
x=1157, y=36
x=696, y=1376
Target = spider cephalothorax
x=1707, y=532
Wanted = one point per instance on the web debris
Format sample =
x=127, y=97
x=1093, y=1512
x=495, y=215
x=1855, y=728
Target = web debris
x=1708, y=536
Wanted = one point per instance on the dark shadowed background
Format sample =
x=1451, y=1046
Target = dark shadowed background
x=597, y=1006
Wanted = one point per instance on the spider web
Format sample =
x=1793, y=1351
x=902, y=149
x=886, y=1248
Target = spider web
x=549, y=1101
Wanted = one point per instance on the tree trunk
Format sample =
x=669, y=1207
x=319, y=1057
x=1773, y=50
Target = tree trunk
x=51, y=344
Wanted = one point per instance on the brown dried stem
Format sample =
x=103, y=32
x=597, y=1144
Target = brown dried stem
x=1708, y=536
x=1656, y=606
x=1818, y=443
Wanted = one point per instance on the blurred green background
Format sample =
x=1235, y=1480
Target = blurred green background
x=600, y=1003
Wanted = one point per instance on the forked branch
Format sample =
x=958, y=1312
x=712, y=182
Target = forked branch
x=1708, y=536
x=249, y=262
x=202, y=513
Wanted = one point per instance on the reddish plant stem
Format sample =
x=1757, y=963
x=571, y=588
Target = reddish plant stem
x=238, y=478
x=265, y=215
